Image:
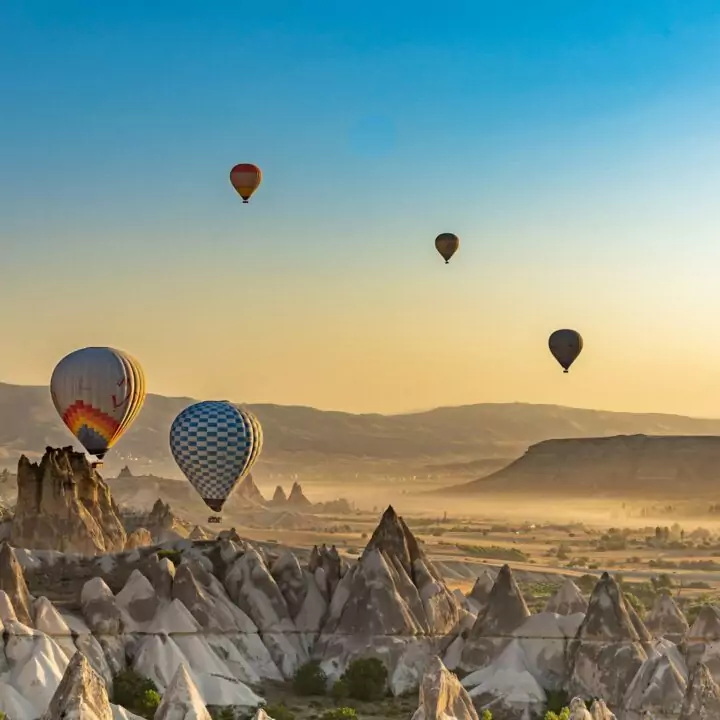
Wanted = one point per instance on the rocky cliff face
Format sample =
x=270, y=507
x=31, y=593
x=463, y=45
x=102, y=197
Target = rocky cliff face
x=63, y=504
x=622, y=466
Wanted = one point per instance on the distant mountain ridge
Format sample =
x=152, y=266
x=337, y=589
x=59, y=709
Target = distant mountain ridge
x=299, y=437
x=642, y=466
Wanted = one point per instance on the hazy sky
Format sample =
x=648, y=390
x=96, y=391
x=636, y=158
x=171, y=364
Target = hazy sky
x=573, y=146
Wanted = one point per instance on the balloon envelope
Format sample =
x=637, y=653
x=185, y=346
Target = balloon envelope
x=447, y=244
x=246, y=179
x=215, y=444
x=565, y=345
x=98, y=392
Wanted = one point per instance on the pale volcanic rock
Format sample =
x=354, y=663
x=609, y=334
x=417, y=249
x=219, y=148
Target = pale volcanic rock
x=607, y=651
x=81, y=694
x=161, y=574
x=7, y=611
x=63, y=504
x=505, y=612
x=480, y=593
x=390, y=604
x=138, y=599
x=545, y=639
x=658, y=688
x=252, y=587
x=105, y=619
x=49, y=621
x=702, y=700
x=599, y=711
x=182, y=700
x=702, y=640
x=328, y=567
x=12, y=582
x=578, y=710
x=140, y=537
x=568, y=600
x=507, y=687
x=666, y=620
x=442, y=697
x=290, y=579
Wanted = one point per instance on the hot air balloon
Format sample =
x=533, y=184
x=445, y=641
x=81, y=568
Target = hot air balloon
x=447, y=244
x=246, y=179
x=565, y=345
x=98, y=392
x=215, y=445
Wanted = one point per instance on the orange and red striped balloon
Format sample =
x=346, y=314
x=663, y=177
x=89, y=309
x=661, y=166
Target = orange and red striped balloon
x=246, y=179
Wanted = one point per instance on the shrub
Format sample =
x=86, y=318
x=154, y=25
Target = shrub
x=342, y=713
x=487, y=715
x=366, y=679
x=280, y=712
x=310, y=679
x=222, y=713
x=564, y=714
x=340, y=691
x=136, y=693
x=148, y=704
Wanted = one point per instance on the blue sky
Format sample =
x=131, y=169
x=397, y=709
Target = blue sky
x=571, y=143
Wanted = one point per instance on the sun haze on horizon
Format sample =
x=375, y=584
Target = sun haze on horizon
x=575, y=152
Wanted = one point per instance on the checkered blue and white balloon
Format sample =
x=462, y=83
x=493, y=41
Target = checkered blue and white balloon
x=215, y=444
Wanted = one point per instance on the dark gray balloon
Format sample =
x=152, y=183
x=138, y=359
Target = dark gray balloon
x=565, y=345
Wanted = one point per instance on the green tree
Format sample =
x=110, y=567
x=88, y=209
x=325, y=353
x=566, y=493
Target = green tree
x=136, y=693
x=366, y=679
x=310, y=679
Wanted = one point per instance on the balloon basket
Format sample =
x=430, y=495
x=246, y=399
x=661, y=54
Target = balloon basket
x=96, y=464
x=214, y=520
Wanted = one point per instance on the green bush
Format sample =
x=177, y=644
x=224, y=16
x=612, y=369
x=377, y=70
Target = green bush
x=222, y=713
x=366, y=679
x=310, y=679
x=136, y=693
x=487, y=715
x=564, y=714
x=342, y=713
x=279, y=712
x=340, y=691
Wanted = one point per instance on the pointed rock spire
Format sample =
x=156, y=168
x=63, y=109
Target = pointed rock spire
x=81, y=695
x=182, y=700
x=568, y=600
x=702, y=700
x=12, y=581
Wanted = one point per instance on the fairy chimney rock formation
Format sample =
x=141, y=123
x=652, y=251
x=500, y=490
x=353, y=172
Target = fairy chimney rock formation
x=63, y=504
x=297, y=498
x=279, y=498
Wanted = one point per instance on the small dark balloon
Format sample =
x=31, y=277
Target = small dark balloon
x=565, y=346
x=447, y=245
